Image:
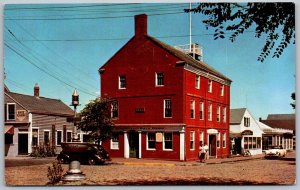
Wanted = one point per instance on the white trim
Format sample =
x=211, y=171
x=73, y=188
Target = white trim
x=201, y=108
x=38, y=134
x=210, y=85
x=197, y=81
x=224, y=114
x=164, y=149
x=111, y=143
x=147, y=140
x=192, y=107
x=222, y=90
x=140, y=144
x=30, y=133
x=192, y=136
x=156, y=79
x=219, y=113
x=47, y=130
x=209, y=110
x=224, y=140
x=182, y=147
x=126, y=145
x=218, y=139
x=119, y=86
x=7, y=112
x=62, y=137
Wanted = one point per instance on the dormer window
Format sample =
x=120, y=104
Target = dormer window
x=11, y=111
x=122, y=82
x=159, y=79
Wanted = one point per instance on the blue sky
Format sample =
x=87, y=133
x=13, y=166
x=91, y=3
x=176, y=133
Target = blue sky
x=72, y=50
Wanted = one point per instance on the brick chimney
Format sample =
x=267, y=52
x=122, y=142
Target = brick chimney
x=140, y=22
x=36, y=90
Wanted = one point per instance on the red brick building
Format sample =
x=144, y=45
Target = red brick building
x=165, y=102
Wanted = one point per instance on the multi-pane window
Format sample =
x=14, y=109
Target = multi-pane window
x=35, y=135
x=46, y=137
x=218, y=140
x=11, y=111
x=114, y=144
x=168, y=141
x=201, y=114
x=167, y=108
x=209, y=85
x=192, y=140
x=58, y=137
x=192, y=108
x=224, y=114
x=197, y=82
x=218, y=113
x=151, y=141
x=224, y=140
x=246, y=143
x=114, y=109
x=69, y=136
x=122, y=82
x=222, y=90
x=247, y=121
x=201, y=138
x=209, y=112
x=159, y=79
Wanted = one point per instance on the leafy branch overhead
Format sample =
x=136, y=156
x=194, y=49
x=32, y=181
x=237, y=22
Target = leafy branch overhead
x=276, y=20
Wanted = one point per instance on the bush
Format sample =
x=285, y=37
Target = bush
x=43, y=151
x=55, y=173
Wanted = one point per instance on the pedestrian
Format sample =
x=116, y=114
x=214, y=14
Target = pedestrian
x=206, y=151
x=202, y=153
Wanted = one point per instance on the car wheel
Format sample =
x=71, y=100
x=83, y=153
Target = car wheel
x=92, y=161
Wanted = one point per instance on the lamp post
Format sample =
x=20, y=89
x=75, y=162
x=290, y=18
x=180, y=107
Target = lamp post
x=74, y=173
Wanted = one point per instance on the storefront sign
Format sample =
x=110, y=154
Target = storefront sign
x=247, y=132
x=158, y=137
x=212, y=131
x=21, y=115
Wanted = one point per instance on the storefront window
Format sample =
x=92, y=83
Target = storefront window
x=245, y=142
x=168, y=141
x=151, y=141
x=114, y=141
x=258, y=143
x=254, y=142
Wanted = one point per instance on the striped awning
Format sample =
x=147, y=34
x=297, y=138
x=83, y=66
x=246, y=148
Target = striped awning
x=9, y=129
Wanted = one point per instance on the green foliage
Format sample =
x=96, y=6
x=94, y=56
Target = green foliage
x=276, y=20
x=96, y=119
x=43, y=151
x=293, y=96
x=55, y=172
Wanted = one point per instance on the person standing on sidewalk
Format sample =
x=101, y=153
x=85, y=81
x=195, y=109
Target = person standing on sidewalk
x=202, y=153
x=206, y=151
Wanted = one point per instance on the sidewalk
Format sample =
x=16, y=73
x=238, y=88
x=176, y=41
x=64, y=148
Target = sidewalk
x=151, y=162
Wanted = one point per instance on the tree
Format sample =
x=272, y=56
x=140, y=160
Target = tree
x=276, y=20
x=293, y=96
x=96, y=119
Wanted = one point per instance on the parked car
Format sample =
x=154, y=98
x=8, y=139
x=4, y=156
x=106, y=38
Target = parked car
x=275, y=151
x=93, y=154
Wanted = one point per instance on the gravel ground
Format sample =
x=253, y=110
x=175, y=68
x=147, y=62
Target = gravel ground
x=260, y=172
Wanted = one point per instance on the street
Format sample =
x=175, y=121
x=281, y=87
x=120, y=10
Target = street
x=250, y=172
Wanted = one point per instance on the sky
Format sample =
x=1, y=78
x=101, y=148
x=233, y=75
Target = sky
x=62, y=49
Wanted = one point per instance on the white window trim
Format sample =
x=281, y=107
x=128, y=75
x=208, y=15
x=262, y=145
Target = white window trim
x=156, y=81
x=62, y=137
x=38, y=135
x=111, y=146
x=193, y=106
x=68, y=131
x=147, y=147
x=224, y=140
x=164, y=142
x=201, y=108
x=46, y=130
x=197, y=81
x=192, y=134
x=210, y=84
x=218, y=139
x=224, y=114
x=165, y=108
x=210, y=112
x=7, y=113
x=219, y=114
x=201, y=136
x=120, y=81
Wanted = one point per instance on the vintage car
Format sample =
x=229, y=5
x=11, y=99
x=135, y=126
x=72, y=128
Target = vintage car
x=90, y=153
x=275, y=152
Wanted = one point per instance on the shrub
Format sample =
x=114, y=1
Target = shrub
x=55, y=173
x=43, y=151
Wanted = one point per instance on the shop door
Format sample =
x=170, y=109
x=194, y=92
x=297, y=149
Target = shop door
x=238, y=145
x=133, y=145
x=23, y=143
x=212, y=145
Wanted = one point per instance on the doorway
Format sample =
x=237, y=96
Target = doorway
x=23, y=143
x=212, y=145
x=133, y=144
x=238, y=145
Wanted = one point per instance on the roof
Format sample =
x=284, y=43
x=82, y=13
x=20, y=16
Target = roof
x=283, y=124
x=41, y=105
x=187, y=58
x=281, y=117
x=236, y=115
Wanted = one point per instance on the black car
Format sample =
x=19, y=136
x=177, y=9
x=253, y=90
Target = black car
x=93, y=154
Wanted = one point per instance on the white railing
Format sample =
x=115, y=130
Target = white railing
x=193, y=48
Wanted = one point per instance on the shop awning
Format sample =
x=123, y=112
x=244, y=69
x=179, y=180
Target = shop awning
x=9, y=129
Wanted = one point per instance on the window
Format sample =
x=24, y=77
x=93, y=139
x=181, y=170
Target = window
x=114, y=144
x=192, y=140
x=58, y=137
x=151, y=141
x=209, y=85
x=224, y=114
x=35, y=136
x=201, y=114
x=246, y=143
x=11, y=111
x=258, y=143
x=159, y=79
x=201, y=138
x=222, y=90
x=197, y=82
x=254, y=142
x=246, y=121
x=224, y=140
x=192, y=108
x=218, y=140
x=122, y=82
x=69, y=136
x=209, y=110
x=167, y=108
x=46, y=137
x=218, y=113
x=249, y=142
x=114, y=110
x=87, y=138
x=168, y=141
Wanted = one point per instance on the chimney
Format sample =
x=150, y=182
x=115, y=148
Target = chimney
x=140, y=22
x=36, y=90
x=260, y=119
